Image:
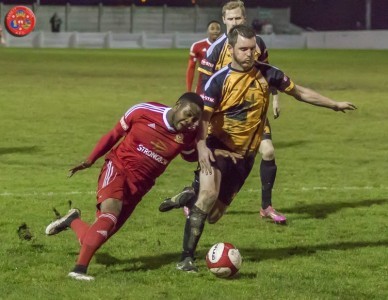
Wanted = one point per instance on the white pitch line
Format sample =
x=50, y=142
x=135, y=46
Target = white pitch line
x=167, y=192
x=49, y=194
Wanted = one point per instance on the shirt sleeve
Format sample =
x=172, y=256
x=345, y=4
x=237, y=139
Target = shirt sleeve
x=106, y=143
x=262, y=49
x=193, y=54
x=121, y=128
x=277, y=79
x=190, y=72
x=207, y=64
x=189, y=153
x=130, y=116
x=213, y=92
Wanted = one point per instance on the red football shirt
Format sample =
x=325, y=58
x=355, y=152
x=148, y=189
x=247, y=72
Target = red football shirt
x=150, y=143
x=197, y=53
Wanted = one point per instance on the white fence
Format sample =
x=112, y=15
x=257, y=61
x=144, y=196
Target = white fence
x=103, y=40
x=377, y=39
x=136, y=19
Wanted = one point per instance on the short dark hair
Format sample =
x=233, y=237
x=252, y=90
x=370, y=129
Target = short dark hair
x=242, y=30
x=211, y=22
x=191, y=98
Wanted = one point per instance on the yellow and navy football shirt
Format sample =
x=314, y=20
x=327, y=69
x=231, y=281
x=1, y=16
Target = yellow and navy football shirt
x=239, y=102
x=218, y=56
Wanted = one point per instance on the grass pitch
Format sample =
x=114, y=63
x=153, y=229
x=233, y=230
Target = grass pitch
x=331, y=183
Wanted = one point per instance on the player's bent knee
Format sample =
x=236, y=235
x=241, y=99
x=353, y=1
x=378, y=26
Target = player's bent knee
x=267, y=150
x=213, y=219
x=217, y=212
x=112, y=206
x=206, y=200
x=268, y=156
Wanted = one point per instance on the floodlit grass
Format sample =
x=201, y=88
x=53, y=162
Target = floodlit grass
x=331, y=183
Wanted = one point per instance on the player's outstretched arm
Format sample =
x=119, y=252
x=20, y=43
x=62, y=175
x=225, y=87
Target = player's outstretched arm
x=105, y=143
x=190, y=75
x=81, y=166
x=275, y=104
x=310, y=96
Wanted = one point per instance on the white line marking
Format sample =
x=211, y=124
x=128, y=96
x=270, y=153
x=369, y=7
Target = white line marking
x=170, y=191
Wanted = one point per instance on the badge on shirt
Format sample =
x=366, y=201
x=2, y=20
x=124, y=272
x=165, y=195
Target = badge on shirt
x=179, y=138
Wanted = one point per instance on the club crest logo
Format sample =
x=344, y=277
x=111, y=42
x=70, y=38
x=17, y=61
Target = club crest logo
x=179, y=138
x=20, y=21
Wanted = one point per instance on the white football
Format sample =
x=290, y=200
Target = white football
x=223, y=260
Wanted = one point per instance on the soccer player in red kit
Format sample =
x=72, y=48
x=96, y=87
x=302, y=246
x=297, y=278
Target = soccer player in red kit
x=198, y=52
x=151, y=135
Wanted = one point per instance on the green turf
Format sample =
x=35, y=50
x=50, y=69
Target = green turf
x=331, y=183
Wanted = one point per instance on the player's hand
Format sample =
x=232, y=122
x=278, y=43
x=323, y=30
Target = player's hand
x=275, y=107
x=343, y=106
x=82, y=166
x=205, y=157
x=225, y=153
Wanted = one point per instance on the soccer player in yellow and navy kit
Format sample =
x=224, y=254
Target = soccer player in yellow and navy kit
x=217, y=57
x=236, y=101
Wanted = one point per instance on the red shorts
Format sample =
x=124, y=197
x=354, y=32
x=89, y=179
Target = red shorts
x=114, y=183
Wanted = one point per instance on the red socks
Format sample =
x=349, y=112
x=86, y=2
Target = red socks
x=93, y=237
x=80, y=228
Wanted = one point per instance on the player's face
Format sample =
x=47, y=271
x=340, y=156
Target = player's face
x=233, y=17
x=186, y=117
x=213, y=31
x=243, y=53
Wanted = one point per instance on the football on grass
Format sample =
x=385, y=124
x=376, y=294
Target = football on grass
x=223, y=260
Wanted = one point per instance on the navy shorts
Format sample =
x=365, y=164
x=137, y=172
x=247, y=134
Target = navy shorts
x=233, y=175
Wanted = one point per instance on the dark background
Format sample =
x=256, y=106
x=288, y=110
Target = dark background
x=314, y=14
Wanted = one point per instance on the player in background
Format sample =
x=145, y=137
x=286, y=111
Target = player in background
x=218, y=56
x=236, y=101
x=198, y=52
x=151, y=135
